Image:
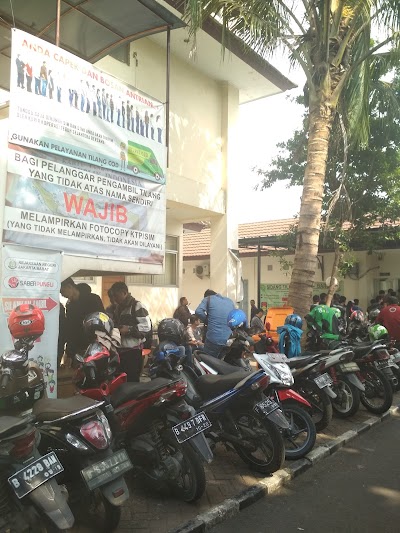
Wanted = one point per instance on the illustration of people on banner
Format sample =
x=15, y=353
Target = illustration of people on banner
x=87, y=113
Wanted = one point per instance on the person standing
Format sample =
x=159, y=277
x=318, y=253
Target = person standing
x=81, y=302
x=43, y=78
x=213, y=310
x=133, y=321
x=253, y=309
x=146, y=123
x=257, y=324
x=159, y=128
x=111, y=108
x=50, y=81
x=182, y=312
x=29, y=75
x=389, y=316
x=128, y=116
x=20, y=72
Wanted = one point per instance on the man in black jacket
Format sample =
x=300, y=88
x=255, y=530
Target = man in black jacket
x=133, y=321
x=81, y=302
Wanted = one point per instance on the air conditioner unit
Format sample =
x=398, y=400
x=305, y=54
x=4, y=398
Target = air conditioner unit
x=201, y=270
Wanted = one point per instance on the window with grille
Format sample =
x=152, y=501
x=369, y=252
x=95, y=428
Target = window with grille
x=170, y=276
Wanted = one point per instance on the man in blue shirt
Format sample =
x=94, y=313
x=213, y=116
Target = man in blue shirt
x=213, y=311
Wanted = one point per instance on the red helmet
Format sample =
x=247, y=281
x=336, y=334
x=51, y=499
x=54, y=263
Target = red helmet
x=26, y=320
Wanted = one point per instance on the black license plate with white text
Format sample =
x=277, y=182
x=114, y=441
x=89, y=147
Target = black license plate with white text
x=323, y=380
x=266, y=407
x=192, y=427
x=100, y=473
x=39, y=471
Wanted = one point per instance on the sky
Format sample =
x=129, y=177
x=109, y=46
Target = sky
x=262, y=124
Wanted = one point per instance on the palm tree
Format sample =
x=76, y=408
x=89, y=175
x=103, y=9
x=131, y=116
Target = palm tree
x=331, y=40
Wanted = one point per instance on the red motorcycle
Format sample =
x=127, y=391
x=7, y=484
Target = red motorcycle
x=161, y=432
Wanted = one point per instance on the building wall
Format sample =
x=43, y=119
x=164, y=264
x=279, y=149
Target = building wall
x=195, y=171
x=379, y=270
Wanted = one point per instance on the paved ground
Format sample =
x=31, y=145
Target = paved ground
x=227, y=475
x=356, y=490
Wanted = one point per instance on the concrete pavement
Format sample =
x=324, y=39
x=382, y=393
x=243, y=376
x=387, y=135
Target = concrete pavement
x=228, y=477
x=357, y=490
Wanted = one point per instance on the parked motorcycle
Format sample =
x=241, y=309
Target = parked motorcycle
x=30, y=497
x=74, y=427
x=161, y=433
x=234, y=404
x=346, y=383
x=376, y=373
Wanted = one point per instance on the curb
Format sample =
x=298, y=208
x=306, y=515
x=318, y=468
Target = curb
x=230, y=507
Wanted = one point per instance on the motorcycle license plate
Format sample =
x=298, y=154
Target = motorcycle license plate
x=192, y=427
x=266, y=407
x=39, y=471
x=323, y=380
x=349, y=367
x=100, y=473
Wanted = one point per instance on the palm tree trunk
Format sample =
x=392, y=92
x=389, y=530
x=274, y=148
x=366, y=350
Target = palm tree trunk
x=308, y=230
x=335, y=268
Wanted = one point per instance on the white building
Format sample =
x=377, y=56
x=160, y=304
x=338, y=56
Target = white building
x=205, y=90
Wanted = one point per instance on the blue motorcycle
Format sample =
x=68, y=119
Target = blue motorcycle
x=242, y=418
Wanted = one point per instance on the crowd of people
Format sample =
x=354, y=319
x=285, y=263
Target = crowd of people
x=206, y=328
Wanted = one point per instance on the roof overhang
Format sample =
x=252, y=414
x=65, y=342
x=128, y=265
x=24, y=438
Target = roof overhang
x=90, y=29
x=239, y=65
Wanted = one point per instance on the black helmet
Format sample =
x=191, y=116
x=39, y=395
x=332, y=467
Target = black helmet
x=97, y=322
x=171, y=329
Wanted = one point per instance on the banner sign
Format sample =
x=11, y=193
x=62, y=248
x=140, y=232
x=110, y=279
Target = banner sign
x=86, y=159
x=276, y=294
x=64, y=105
x=77, y=208
x=32, y=276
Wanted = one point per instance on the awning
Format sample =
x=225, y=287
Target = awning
x=90, y=29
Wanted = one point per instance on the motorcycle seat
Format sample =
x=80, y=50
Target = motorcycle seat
x=135, y=391
x=11, y=424
x=51, y=410
x=211, y=386
x=360, y=351
x=302, y=360
x=220, y=366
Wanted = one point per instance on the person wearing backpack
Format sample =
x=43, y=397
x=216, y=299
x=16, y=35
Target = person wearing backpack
x=133, y=321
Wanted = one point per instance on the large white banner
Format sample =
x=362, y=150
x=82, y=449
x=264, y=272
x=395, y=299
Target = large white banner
x=86, y=159
x=32, y=276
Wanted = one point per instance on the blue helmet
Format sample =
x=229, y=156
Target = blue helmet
x=294, y=320
x=237, y=318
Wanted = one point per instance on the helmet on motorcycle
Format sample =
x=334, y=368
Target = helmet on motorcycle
x=357, y=316
x=373, y=313
x=103, y=361
x=26, y=320
x=171, y=329
x=237, y=318
x=378, y=332
x=294, y=320
x=97, y=322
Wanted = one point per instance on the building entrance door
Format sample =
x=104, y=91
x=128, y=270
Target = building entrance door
x=107, y=283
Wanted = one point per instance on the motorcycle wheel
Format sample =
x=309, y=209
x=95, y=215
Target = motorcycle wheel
x=269, y=450
x=321, y=411
x=378, y=395
x=96, y=513
x=190, y=485
x=300, y=437
x=347, y=401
